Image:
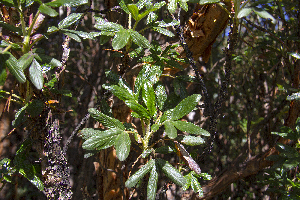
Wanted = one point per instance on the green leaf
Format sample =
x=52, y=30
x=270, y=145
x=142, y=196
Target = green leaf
x=107, y=121
x=164, y=150
x=154, y=127
x=264, y=14
x=152, y=184
x=172, y=173
x=163, y=31
x=183, y=5
x=120, y=92
x=71, y=3
x=123, y=6
x=72, y=35
x=139, y=39
x=101, y=139
x=139, y=109
x=151, y=17
x=47, y=60
x=172, y=6
x=173, y=64
x=36, y=75
x=161, y=96
x=170, y=130
x=84, y=35
x=122, y=146
x=26, y=60
x=121, y=39
x=148, y=72
x=69, y=20
x=183, y=108
x=52, y=29
x=202, y=2
x=150, y=9
x=134, y=11
x=192, y=140
x=149, y=98
x=196, y=185
x=20, y=116
x=137, y=176
x=47, y=10
x=244, y=12
x=188, y=179
x=35, y=108
x=12, y=64
x=190, y=128
x=167, y=23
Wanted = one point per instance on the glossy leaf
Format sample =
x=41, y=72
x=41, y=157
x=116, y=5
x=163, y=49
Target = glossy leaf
x=86, y=133
x=202, y=2
x=264, y=14
x=139, y=109
x=120, y=92
x=151, y=17
x=163, y=31
x=294, y=54
x=149, y=98
x=139, y=39
x=35, y=74
x=84, y=35
x=20, y=116
x=134, y=11
x=100, y=141
x=170, y=130
x=121, y=39
x=137, y=176
x=190, y=128
x=171, y=172
x=12, y=64
x=123, y=6
x=172, y=6
x=47, y=10
x=183, y=5
x=192, y=140
x=154, y=127
x=183, y=108
x=161, y=96
x=188, y=179
x=122, y=146
x=149, y=72
x=107, y=121
x=196, y=185
x=152, y=184
x=26, y=60
x=244, y=12
x=72, y=35
x=47, y=60
x=72, y=3
x=69, y=20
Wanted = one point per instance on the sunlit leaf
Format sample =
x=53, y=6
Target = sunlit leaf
x=139, y=39
x=152, y=184
x=13, y=66
x=107, y=121
x=101, y=140
x=192, y=140
x=69, y=20
x=36, y=75
x=171, y=172
x=244, y=12
x=163, y=31
x=122, y=146
x=294, y=54
x=264, y=14
x=190, y=128
x=134, y=11
x=149, y=98
x=137, y=176
x=139, y=109
x=202, y=2
x=170, y=130
x=183, y=108
x=121, y=39
x=72, y=3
